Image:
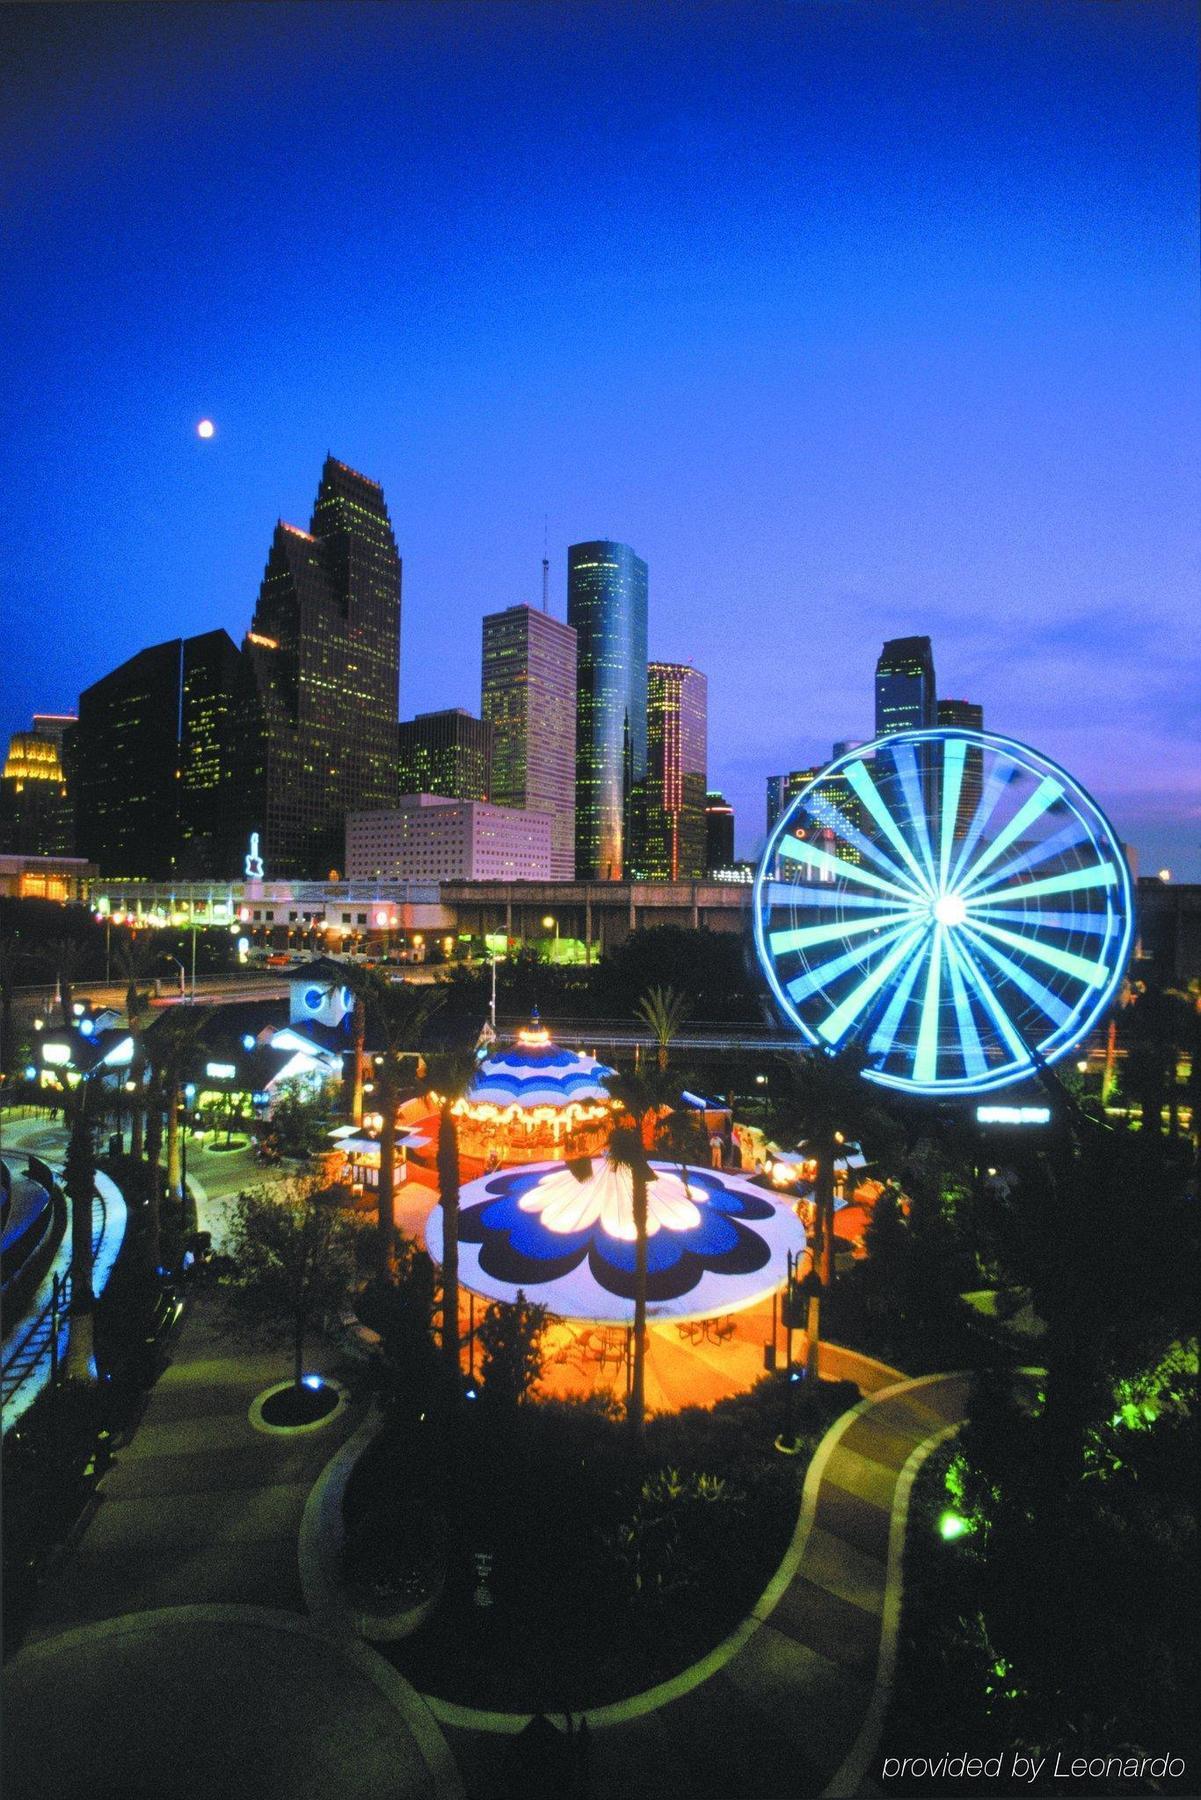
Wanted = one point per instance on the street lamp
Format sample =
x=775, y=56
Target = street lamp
x=548, y=924
x=183, y=973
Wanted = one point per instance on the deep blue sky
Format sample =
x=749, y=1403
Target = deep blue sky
x=856, y=319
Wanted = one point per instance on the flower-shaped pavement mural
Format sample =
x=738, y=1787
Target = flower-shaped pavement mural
x=564, y=1234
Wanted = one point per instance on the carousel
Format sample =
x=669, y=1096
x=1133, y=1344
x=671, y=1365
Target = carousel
x=534, y=1101
x=563, y=1234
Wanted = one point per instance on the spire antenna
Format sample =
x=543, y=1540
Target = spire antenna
x=545, y=568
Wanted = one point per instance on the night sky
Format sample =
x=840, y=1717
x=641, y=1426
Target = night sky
x=855, y=319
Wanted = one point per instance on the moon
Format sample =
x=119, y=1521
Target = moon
x=205, y=429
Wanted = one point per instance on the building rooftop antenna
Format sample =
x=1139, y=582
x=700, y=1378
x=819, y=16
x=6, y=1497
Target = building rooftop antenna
x=545, y=568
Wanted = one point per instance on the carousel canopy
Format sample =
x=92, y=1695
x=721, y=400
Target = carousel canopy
x=564, y=1234
x=536, y=1072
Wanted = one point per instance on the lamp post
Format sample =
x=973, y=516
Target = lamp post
x=547, y=924
x=183, y=974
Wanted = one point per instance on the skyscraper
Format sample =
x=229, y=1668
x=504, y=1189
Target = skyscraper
x=166, y=762
x=447, y=753
x=606, y=604
x=528, y=697
x=905, y=697
x=906, y=701
x=35, y=805
x=968, y=717
x=670, y=839
x=719, y=833
x=325, y=646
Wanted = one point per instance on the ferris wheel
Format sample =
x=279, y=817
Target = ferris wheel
x=950, y=903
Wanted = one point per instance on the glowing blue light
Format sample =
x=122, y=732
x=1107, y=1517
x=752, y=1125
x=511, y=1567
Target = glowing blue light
x=313, y=1381
x=951, y=903
x=248, y=1042
x=87, y=1027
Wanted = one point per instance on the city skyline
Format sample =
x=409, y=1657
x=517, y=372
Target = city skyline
x=912, y=352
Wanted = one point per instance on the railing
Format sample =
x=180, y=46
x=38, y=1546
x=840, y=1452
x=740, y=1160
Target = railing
x=41, y=1333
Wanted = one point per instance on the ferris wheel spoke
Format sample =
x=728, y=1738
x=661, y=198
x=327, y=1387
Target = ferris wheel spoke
x=1090, y=924
x=1006, y=1030
x=952, y=787
x=789, y=895
x=868, y=792
x=1073, y=833
x=915, y=800
x=996, y=785
x=925, y=1057
x=1051, y=1003
x=1041, y=800
x=884, y=1036
x=794, y=849
x=806, y=937
x=974, y=1059
x=852, y=835
x=1097, y=875
x=838, y=1023
x=1092, y=974
x=815, y=980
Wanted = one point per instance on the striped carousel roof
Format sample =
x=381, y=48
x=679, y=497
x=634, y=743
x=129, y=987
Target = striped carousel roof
x=536, y=1072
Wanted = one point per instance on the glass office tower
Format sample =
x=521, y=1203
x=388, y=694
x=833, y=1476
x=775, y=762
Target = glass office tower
x=670, y=839
x=969, y=717
x=905, y=698
x=606, y=606
x=325, y=645
x=528, y=697
x=719, y=833
x=447, y=753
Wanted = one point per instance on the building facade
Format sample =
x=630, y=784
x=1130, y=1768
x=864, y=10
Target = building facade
x=966, y=716
x=905, y=693
x=670, y=835
x=447, y=753
x=528, y=698
x=325, y=649
x=430, y=838
x=607, y=607
x=35, y=802
x=719, y=833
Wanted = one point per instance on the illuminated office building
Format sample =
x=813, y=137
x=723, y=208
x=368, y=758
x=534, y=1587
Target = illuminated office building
x=447, y=753
x=719, y=833
x=325, y=648
x=968, y=717
x=905, y=697
x=35, y=804
x=166, y=762
x=607, y=605
x=528, y=698
x=670, y=811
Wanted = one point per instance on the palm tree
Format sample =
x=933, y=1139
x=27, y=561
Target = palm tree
x=171, y=1045
x=826, y=1104
x=663, y=1011
x=10, y=956
x=448, y=1075
x=79, y=1181
x=399, y=1012
x=641, y=1098
x=65, y=957
x=134, y=960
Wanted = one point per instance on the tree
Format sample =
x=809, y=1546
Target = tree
x=10, y=955
x=663, y=1011
x=79, y=1181
x=134, y=960
x=884, y=1275
x=448, y=1075
x=399, y=1013
x=171, y=1043
x=641, y=1099
x=299, y=1119
x=293, y=1257
x=825, y=1103
x=510, y=1339
x=65, y=955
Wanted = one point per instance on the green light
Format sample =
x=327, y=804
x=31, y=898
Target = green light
x=953, y=1525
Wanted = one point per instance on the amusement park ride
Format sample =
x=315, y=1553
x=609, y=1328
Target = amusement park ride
x=951, y=904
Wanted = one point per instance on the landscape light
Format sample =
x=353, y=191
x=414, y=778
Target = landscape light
x=953, y=1525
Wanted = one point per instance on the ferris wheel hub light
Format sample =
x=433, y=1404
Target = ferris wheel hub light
x=949, y=909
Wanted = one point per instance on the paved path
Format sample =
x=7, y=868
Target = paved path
x=198, y=1507
x=782, y=1716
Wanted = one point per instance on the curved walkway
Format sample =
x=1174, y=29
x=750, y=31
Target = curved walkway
x=795, y=1710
